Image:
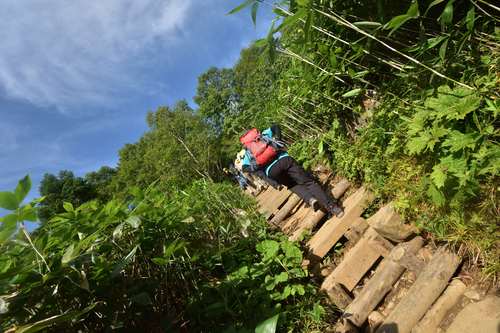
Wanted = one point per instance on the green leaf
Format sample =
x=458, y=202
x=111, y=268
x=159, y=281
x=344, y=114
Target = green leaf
x=47, y=322
x=307, y=27
x=268, y=248
x=457, y=141
x=351, y=93
x=399, y=20
x=124, y=262
x=8, y=227
x=446, y=16
x=470, y=18
x=28, y=213
x=442, y=50
x=436, y=195
x=69, y=254
x=68, y=206
x=367, y=24
x=453, y=104
x=333, y=61
x=418, y=144
x=432, y=4
x=240, y=7
x=268, y=326
x=23, y=188
x=438, y=176
x=281, y=277
x=8, y=200
x=255, y=7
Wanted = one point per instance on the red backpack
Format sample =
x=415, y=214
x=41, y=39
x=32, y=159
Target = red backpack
x=258, y=146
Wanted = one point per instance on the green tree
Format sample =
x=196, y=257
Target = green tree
x=216, y=96
x=65, y=187
x=179, y=148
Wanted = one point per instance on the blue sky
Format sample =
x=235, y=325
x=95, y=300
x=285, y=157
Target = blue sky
x=78, y=77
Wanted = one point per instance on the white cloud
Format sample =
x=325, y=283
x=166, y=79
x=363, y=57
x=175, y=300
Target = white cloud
x=65, y=53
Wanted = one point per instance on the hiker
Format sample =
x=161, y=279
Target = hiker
x=266, y=156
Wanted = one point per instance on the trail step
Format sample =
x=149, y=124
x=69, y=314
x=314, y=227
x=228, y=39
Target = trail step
x=426, y=289
x=331, y=232
x=358, y=261
x=419, y=307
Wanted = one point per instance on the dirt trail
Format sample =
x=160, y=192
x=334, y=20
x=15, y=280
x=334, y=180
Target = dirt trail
x=387, y=279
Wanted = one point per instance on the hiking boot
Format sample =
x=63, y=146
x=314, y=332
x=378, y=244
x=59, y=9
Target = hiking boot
x=335, y=209
x=314, y=204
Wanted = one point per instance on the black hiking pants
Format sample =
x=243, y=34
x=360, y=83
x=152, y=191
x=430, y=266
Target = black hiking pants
x=289, y=173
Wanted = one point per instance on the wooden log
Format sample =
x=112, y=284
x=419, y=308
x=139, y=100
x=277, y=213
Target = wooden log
x=271, y=202
x=374, y=320
x=312, y=219
x=293, y=222
x=339, y=296
x=356, y=230
x=357, y=261
x=381, y=282
x=389, y=224
x=334, y=229
x=429, y=285
x=308, y=223
x=340, y=188
x=438, y=311
x=293, y=201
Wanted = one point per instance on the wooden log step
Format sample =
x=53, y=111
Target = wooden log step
x=293, y=222
x=284, y=211
x=313, y=218
x=426, y=289
x=389, y=224
x=356, y=230
x=387, y=273
x=440, y=308
x=340, y=188
x=333, y=229
x=358, y=260
x=270, y=202
x=307, y=223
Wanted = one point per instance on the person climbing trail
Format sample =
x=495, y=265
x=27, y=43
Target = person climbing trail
x=266, y=157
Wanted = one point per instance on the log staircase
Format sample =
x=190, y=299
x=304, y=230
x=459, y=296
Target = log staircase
x=387, y=280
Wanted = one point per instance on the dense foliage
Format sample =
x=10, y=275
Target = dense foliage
x=400, y=95
x=66, y=187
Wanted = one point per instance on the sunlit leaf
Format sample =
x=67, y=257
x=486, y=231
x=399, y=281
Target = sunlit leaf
x=8, y=200
x=255, y=7
x=241, y=6
x=69, y=254
x=432, y=4
x=268, y=326
x=446, y=16
x=47, y=322
x=23, y=188
x=352, y=93
x=8, y=226
x=124, y=262
x=68, y=206
x=399, y=20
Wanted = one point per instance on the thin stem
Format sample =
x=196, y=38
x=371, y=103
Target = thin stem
x=33, y=246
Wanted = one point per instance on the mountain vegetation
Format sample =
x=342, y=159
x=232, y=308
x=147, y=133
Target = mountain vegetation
x=402, y=96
